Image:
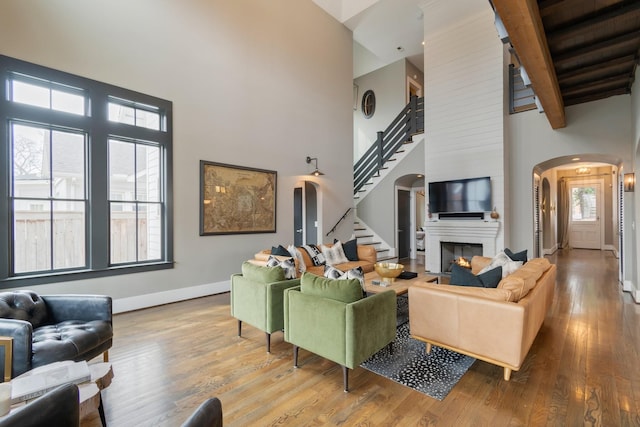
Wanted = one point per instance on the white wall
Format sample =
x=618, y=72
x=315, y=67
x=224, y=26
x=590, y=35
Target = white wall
x=464, y=117
x=599, y=127
x=250, y=86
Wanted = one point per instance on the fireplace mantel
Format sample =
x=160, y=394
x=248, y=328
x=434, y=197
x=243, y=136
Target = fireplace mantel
x=462, y=231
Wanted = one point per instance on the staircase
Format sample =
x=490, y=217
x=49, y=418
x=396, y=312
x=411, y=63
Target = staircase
x=391, y=146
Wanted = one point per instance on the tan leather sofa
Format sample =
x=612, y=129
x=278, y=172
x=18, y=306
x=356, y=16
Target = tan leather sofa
x=495, y=325
x=367, y=257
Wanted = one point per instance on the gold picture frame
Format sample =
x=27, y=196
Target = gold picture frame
x=236, y=199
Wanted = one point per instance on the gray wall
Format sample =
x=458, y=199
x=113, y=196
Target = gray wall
x=251, y=86
x=377, y=209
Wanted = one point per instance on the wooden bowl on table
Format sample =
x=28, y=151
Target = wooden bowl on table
x=388, y=271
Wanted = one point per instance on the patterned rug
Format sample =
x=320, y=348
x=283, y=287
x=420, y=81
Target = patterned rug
x=433, y=374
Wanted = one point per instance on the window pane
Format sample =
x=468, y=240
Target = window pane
x=147, y=119
x=123, y=232
x=67, y=102
x=148, y=173
x=149, y=232
x=68, y=161
x=583, y=204
x=121, y=114
x=68, y=234
x=30, y=161
x=121, y=170
x=26, y=93
x=32, y=235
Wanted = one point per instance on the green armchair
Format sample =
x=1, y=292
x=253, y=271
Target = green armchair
x=257, y=298
x=332, y=319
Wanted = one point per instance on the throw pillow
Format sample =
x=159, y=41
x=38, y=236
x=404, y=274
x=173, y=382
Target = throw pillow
x=350, y=249
x=279, y=250
x=315, y=254
x=336, y=274
x=295, y=252
x=347, y=291
x=502, y=260
x=288, y=265
x=518, y=256
x=259, y=273
x=461, y=276
x=334, y=255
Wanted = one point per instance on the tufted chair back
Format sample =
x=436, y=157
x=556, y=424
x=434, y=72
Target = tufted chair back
x=23, y=305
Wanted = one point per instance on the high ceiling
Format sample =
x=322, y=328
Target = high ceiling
x=574, y=51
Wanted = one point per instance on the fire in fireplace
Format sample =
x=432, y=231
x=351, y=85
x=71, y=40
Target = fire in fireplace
x=460, y=253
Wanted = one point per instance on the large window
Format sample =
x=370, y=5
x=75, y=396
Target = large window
x=85, y=186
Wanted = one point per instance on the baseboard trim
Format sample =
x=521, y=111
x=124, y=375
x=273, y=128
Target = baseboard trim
x=122, y=305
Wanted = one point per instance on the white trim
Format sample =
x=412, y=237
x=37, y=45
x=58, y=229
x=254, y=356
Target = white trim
x=122, y=305
x=627, y=286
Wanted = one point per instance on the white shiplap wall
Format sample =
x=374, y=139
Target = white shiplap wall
x=464, y=116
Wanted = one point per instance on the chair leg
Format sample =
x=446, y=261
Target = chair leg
x=428, y=348
x=345, y=376
x=390, y=346
x=239, y=328
x=105, y=356
x=268, y=336
x=295, y=356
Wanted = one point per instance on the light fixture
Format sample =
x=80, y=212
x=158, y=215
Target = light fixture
x=317, y=171
x=629, y=182
x=583, y=170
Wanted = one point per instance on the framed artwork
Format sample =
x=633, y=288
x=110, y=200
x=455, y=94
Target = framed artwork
x=236, y=199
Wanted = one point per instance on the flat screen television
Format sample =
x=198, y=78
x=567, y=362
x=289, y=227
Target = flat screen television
x=460, y=195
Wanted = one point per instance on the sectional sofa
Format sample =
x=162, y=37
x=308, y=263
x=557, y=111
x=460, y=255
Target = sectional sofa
x=497, y=325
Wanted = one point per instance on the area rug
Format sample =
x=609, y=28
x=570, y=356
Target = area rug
x=433, y=374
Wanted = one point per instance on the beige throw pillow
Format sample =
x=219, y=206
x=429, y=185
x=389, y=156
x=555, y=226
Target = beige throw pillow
x=334, y=254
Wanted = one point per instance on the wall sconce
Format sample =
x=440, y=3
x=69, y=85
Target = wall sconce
x=317, y=171
x=629, y=182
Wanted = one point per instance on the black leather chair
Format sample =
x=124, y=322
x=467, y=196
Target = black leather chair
x=208, y=414
x=58, y=408
x=52, y=328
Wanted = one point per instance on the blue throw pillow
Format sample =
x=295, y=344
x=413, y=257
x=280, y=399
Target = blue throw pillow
x=279, y=250
x=350, y=249
x=461, y=276
x=518, y=256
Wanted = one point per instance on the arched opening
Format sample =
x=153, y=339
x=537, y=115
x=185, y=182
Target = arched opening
x=410, y=215
x=577, y=203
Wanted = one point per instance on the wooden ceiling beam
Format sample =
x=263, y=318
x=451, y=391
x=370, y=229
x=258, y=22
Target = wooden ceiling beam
x=521, y=19
x=596, y=96
x=599, y=47
x=599, y=68
x=599, y=85
x=586, y=23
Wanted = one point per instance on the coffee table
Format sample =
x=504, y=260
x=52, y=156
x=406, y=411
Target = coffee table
x=89, y=392
x=400, y=286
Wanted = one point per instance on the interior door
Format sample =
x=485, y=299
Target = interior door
x=584, y=218
x=404, y=223
x=297, y=217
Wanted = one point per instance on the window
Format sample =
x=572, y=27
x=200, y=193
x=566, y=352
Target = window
x=85, y=186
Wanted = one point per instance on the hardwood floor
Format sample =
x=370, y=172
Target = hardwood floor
x=581, y=370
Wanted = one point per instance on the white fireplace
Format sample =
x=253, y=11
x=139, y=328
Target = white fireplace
x=458, y=231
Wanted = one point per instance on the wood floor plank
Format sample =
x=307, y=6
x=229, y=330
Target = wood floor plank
x=581, y=369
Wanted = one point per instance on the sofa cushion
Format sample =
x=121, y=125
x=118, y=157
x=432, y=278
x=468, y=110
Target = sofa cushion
x=334, y=254
x=461, y=276
x=297, y=255
x=67, y=340
x=494, y=294
x=287, y=264
x=518, y=256
x=502, y=260
x=346, y=291
x=262, y=274
x=23, y=305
